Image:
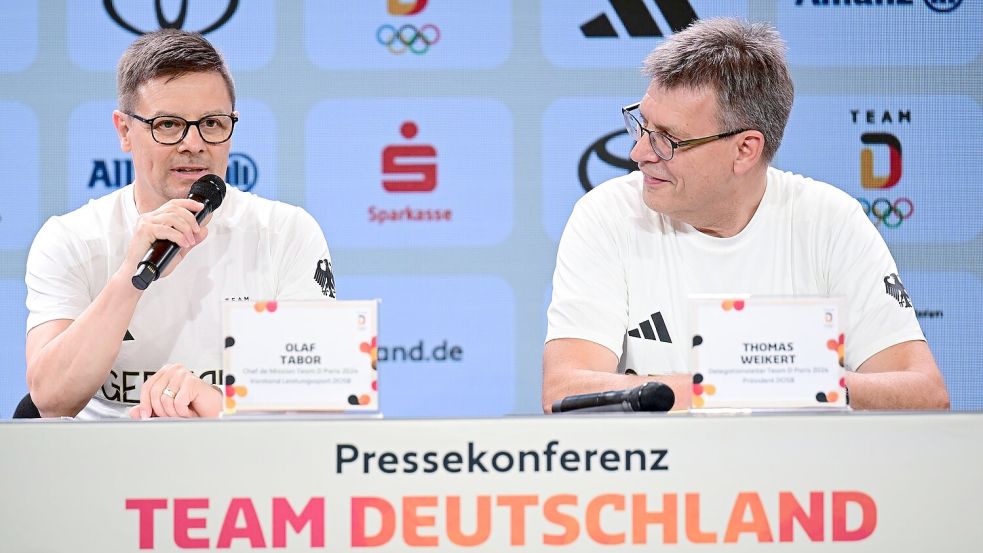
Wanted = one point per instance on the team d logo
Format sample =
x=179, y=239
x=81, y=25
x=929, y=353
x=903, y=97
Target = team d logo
x=201, y=17
x=882, y=165
x=402, y=37
x=892, y=146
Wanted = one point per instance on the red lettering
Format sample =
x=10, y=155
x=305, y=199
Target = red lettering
x=146, y=508
x=790, y=510
x=758, y=524
x=593, y=518
x=387, y=529
x=517, y=514
x=868, y=516
x=552, y=513
x=641, y=517
x=183, y=522
x=250, y=531
x=412, y=521
x=283, y=514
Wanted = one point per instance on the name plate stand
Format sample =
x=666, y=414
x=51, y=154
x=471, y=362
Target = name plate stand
x=764, y=352
x=301, y=356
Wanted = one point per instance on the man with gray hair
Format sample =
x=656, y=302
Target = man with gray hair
x=97, y=346
x=705, y=213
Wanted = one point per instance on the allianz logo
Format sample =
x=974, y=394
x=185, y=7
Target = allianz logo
x=938, y=6
x=115, y=173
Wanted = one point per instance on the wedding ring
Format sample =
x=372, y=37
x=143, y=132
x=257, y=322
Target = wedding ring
x=169, y=393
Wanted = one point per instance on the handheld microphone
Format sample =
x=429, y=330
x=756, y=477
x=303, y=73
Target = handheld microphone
x=209, y=191
x=651, y=396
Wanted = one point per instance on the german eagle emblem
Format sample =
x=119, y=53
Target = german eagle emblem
x=324, y=277
x=895, y=289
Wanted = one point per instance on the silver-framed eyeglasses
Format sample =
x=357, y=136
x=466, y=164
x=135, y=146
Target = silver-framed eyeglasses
x=662, y=145
x=171, y=129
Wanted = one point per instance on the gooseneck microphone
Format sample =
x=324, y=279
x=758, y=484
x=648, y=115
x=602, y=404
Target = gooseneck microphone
x=209, y=191
x=651, y=396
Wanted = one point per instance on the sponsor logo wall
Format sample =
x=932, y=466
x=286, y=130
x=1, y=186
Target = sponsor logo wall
x=407, y=34
x=888, y=153
x=442, y=145
x=224, y=22
x=443, y=362
x=896, y=32
x=402, y=172
x=946, y=306
x=619, y=33
x=584, y=144
x=97, y=166
x=19, y=172
x=18, y=36
x=12, y=383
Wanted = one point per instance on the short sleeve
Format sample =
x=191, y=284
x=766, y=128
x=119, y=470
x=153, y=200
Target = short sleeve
x=301, y=257
x=55, y=276
x=590, y=298
x=862, y=270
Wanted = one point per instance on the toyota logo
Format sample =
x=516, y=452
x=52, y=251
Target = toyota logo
x=164, y=23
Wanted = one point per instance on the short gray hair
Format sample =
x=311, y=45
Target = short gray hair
x=166, y=53
x=744, y=63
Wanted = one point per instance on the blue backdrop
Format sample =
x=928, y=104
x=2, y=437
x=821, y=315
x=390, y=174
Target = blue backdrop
x=503, y=107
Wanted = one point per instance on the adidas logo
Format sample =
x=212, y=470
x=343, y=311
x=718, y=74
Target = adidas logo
x=637, y=20
x=652, y=328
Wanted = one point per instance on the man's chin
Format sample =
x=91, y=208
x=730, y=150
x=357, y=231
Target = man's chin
x=655, y=202
x=179, y=191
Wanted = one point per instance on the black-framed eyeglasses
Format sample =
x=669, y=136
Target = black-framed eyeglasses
x=662, y=145
x=171, y=129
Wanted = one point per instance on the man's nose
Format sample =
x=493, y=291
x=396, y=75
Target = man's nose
x=193, y=139
x=642, y=151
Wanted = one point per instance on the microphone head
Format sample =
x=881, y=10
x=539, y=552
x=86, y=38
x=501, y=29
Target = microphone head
x=210, y=188
x=655, y=396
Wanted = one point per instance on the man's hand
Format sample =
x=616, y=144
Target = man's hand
x=174, y=391
x=575, y=366
x=174, y=221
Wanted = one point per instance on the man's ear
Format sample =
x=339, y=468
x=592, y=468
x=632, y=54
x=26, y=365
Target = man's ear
x=750, y=150
x=122, y=123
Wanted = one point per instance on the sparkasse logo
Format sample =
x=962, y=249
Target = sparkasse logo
x=409, y=169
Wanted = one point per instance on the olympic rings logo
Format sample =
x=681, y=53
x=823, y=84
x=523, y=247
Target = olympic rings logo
x=408, y=38
x=891, y=215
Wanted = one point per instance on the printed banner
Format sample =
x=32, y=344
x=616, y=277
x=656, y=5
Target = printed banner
x=571, y=483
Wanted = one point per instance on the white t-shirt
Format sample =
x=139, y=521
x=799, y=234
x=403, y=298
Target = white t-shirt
x=624, y=270
x=256, y=249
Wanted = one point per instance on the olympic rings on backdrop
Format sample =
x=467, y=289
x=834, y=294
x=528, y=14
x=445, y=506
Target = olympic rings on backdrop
x=408, y=37
x=891, y=215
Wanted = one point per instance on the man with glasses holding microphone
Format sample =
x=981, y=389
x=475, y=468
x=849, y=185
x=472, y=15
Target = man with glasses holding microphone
x=706, y=214
x=102, y=341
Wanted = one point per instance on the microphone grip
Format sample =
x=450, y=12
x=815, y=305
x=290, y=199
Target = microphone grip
x=161, y=252
x=651, y=396
x=587, y=401
x=621, y=407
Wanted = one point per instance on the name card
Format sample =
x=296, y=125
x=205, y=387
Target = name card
x=767, y=352
x=292, y=356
